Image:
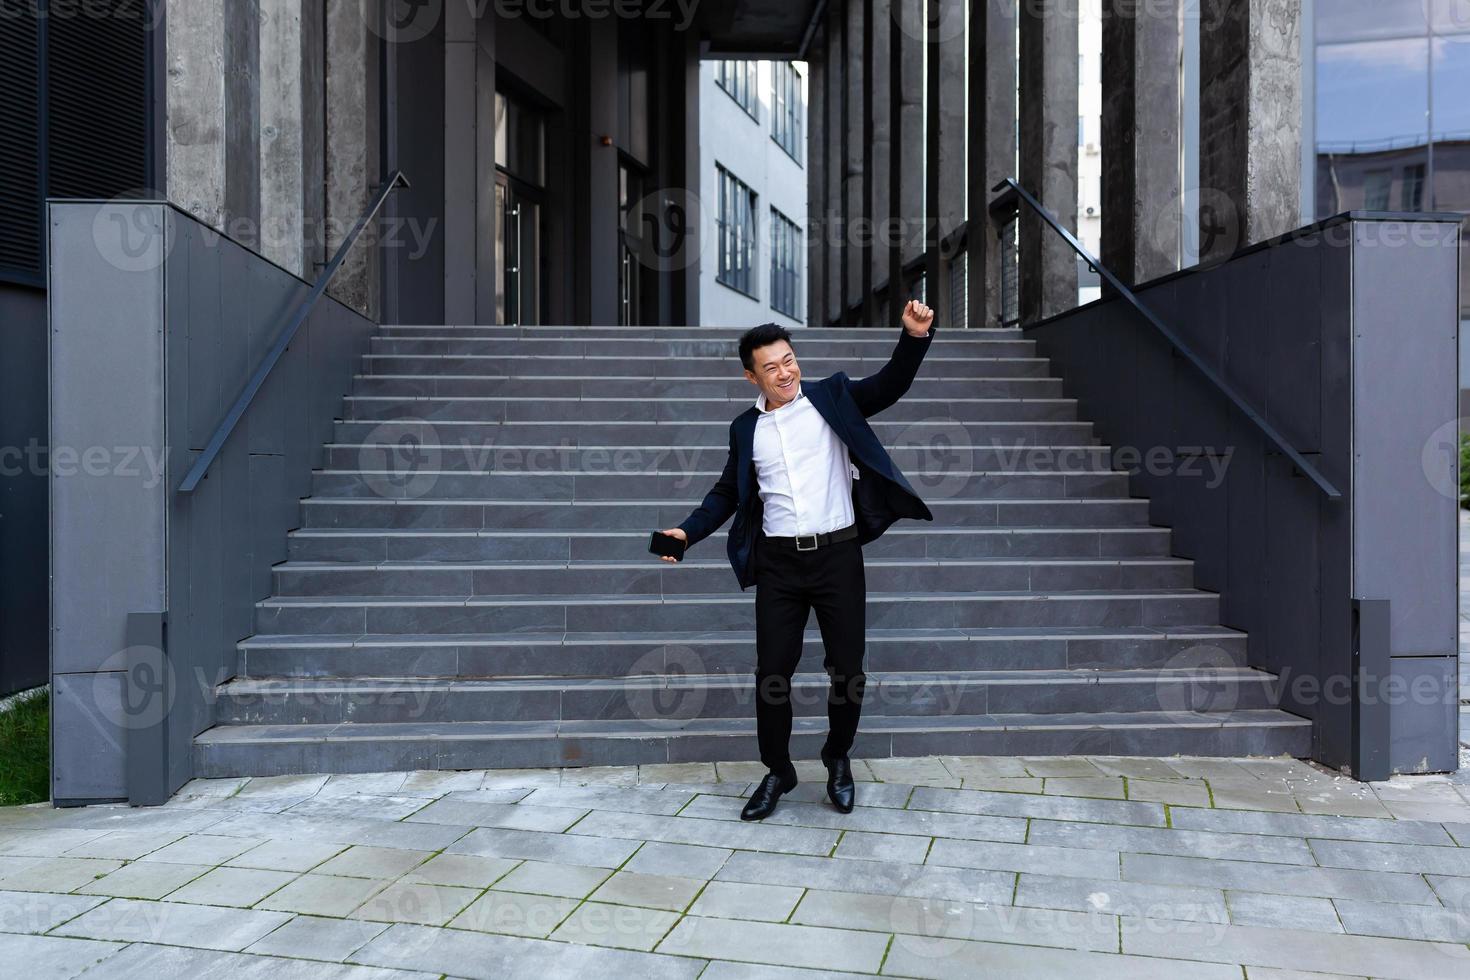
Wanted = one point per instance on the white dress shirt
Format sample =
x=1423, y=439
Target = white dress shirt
x=802, y=470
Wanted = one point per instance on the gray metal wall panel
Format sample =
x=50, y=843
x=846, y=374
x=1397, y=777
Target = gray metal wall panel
x=1417, y=739
x=141, y=356
x=107, y=532
x=1278, y=322
x=106, y=395
x=87, y=758
x=1405, y=547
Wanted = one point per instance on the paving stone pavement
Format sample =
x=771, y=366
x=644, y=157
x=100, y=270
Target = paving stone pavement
x=948, y=867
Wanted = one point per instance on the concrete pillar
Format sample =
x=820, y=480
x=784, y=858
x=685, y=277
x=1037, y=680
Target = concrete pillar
x=462, y=171
x=242, y=120
x=909, y=34
x=832, y=229
x=880, y=112
x=1140, y=139
x=948, y=95
x=313, y=134
x=352, y=175
x=601, y=216
x=690, y=167
x=853, y=204
x=868, y=219
x=816, y=182
x=282, y=163
x=947, y=26
x=1250, y=122
x=1048, y=155
x=992, y=126
x=486, y=272
x=195, y=147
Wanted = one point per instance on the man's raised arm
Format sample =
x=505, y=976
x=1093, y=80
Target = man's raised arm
x=880, y=390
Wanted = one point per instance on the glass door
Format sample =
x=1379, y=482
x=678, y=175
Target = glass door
x=630, y=244
x=517, y=253
x=519, y=198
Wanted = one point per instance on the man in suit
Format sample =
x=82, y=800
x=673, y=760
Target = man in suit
x=809, y=484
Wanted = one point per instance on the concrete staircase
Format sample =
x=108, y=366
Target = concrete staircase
x=470, y=585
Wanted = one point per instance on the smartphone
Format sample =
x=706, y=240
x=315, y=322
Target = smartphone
x=666, y=544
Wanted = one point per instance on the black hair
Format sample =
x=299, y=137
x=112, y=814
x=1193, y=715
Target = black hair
x=766, y=333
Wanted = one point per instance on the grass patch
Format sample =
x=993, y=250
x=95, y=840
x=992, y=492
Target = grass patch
x=25, y=749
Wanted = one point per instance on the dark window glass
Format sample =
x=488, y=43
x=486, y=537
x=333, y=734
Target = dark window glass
x=785, y=265
x=787, y=107
x=736, y=231
x=739, y=79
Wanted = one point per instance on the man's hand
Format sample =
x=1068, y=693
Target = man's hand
x=674, y=532
x=916, y=318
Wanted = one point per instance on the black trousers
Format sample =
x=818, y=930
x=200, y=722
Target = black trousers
x=789, y=585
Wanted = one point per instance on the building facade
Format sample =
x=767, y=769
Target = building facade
x=753, y=183
x=554, y=170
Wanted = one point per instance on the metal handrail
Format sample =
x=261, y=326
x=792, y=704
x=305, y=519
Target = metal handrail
x=1220, y=383
x=283, y=340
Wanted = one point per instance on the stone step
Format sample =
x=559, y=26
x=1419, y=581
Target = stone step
x=658, y=701
x=698, y=576
x=600, y=654
x=721, y=386
x=896, y=435
x=497, y=365
x=446, y=602
x=503, y=458
x=697, y=347
x=678, y=332
x=730, y=610
x=262, y=750
x=649, y=514
x=560, y=544
x=422, y=481
x=543, y=409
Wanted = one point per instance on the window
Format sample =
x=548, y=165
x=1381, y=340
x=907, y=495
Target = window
x=1411, y=194
x=739, y=79
x=1376, y=185
x=786, y=115
x=737, y=233
x=785, y=265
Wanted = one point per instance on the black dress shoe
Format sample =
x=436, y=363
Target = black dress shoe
x=763, y=800
x=840, y=789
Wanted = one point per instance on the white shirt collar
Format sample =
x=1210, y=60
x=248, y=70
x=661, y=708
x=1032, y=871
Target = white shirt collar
x=760, y=399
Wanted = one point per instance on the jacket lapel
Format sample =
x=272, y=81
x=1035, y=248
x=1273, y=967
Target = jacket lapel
x=745, y=451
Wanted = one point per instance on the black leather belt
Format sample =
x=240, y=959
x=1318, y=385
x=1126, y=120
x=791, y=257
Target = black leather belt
x=811, y=542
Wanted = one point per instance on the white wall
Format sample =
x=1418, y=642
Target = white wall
x=730, y=138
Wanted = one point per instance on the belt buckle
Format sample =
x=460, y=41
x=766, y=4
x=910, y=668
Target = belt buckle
x=798, y=542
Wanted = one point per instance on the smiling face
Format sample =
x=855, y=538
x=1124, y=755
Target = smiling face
x=776, y=373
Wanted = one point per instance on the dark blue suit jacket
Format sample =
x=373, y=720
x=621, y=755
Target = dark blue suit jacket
x=880, y=493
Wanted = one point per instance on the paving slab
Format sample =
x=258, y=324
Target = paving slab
x=483, y=956
x=776, y=943
x=54, y=957
x=173, y=923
